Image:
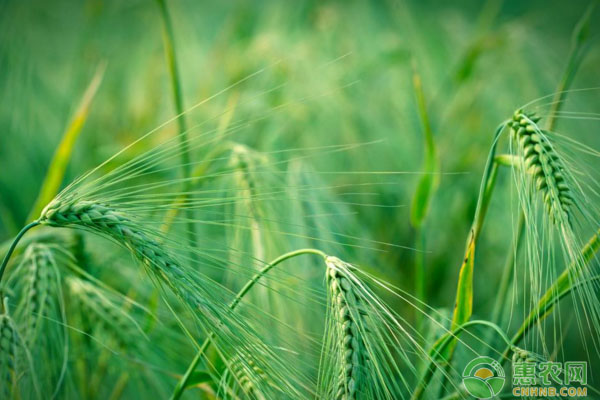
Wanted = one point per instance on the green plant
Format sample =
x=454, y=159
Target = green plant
x=544, y=166
x=346, y=312
x=149, y=275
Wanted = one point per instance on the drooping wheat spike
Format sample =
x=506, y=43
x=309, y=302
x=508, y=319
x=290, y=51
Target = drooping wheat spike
x=346, y=310
x=39, y=317
x=521, y=355
x=108, y=221
x=544, y=165
x=105, y=314
x=38, y=266
x=201, y=295
x=244, y=372
x=8, y=346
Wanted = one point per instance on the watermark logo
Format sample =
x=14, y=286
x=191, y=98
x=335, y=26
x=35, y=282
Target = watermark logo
x=484, y=377
x=533, y=378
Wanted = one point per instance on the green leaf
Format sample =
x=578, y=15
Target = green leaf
x=464, y=294
x=197, y=378
x=62, y=155
x=430, y=178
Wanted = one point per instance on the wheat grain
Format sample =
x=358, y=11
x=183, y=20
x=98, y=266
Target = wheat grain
x=110, y=222
x=350, y=327
x=544, y=164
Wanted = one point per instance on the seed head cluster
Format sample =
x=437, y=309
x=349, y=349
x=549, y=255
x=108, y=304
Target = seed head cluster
x=346, y=310
x=544, y=165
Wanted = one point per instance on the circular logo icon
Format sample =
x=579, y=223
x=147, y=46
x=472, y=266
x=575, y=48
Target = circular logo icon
x=483, y=377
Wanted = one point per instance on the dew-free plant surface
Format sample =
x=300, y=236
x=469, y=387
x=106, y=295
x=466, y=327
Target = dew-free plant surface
x=295, y=200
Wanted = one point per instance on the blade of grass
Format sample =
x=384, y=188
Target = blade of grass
x=170, y=53
x=62, y=155
x=579, y=46
x=426, y=187
x=430, y=179
x=463, y=306
x=464, y=294
x=200, y=170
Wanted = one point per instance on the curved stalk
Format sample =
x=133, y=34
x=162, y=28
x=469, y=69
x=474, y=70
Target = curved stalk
x=13, y=245
x=183, y=382
x=463, y=305
x=441, y=345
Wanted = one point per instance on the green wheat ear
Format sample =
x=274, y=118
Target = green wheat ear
x=543, y=164
x=346, y=311
x=8, y=344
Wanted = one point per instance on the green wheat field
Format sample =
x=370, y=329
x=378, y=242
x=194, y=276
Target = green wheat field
x=299, y=199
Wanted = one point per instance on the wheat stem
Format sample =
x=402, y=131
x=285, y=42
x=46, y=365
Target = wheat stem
x=464, y=293
x=169, y=42
x=183, y=382
x=507, y=272
x=13, y=245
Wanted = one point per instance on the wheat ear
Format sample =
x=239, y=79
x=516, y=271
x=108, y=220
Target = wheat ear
x=244, y=373
x=39, y=263
x=8, y=345
x=104, y=313
x=346, y=312
x=544, y=164
x=110, y=222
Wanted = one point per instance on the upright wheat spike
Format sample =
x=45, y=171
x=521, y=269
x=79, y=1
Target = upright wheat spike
x=544, y=164
x=346, y=311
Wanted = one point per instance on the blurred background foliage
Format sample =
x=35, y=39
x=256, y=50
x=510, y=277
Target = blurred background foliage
x=478, y=60
x=343, y=69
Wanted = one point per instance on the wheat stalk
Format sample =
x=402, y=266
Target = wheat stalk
x=544, y=164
